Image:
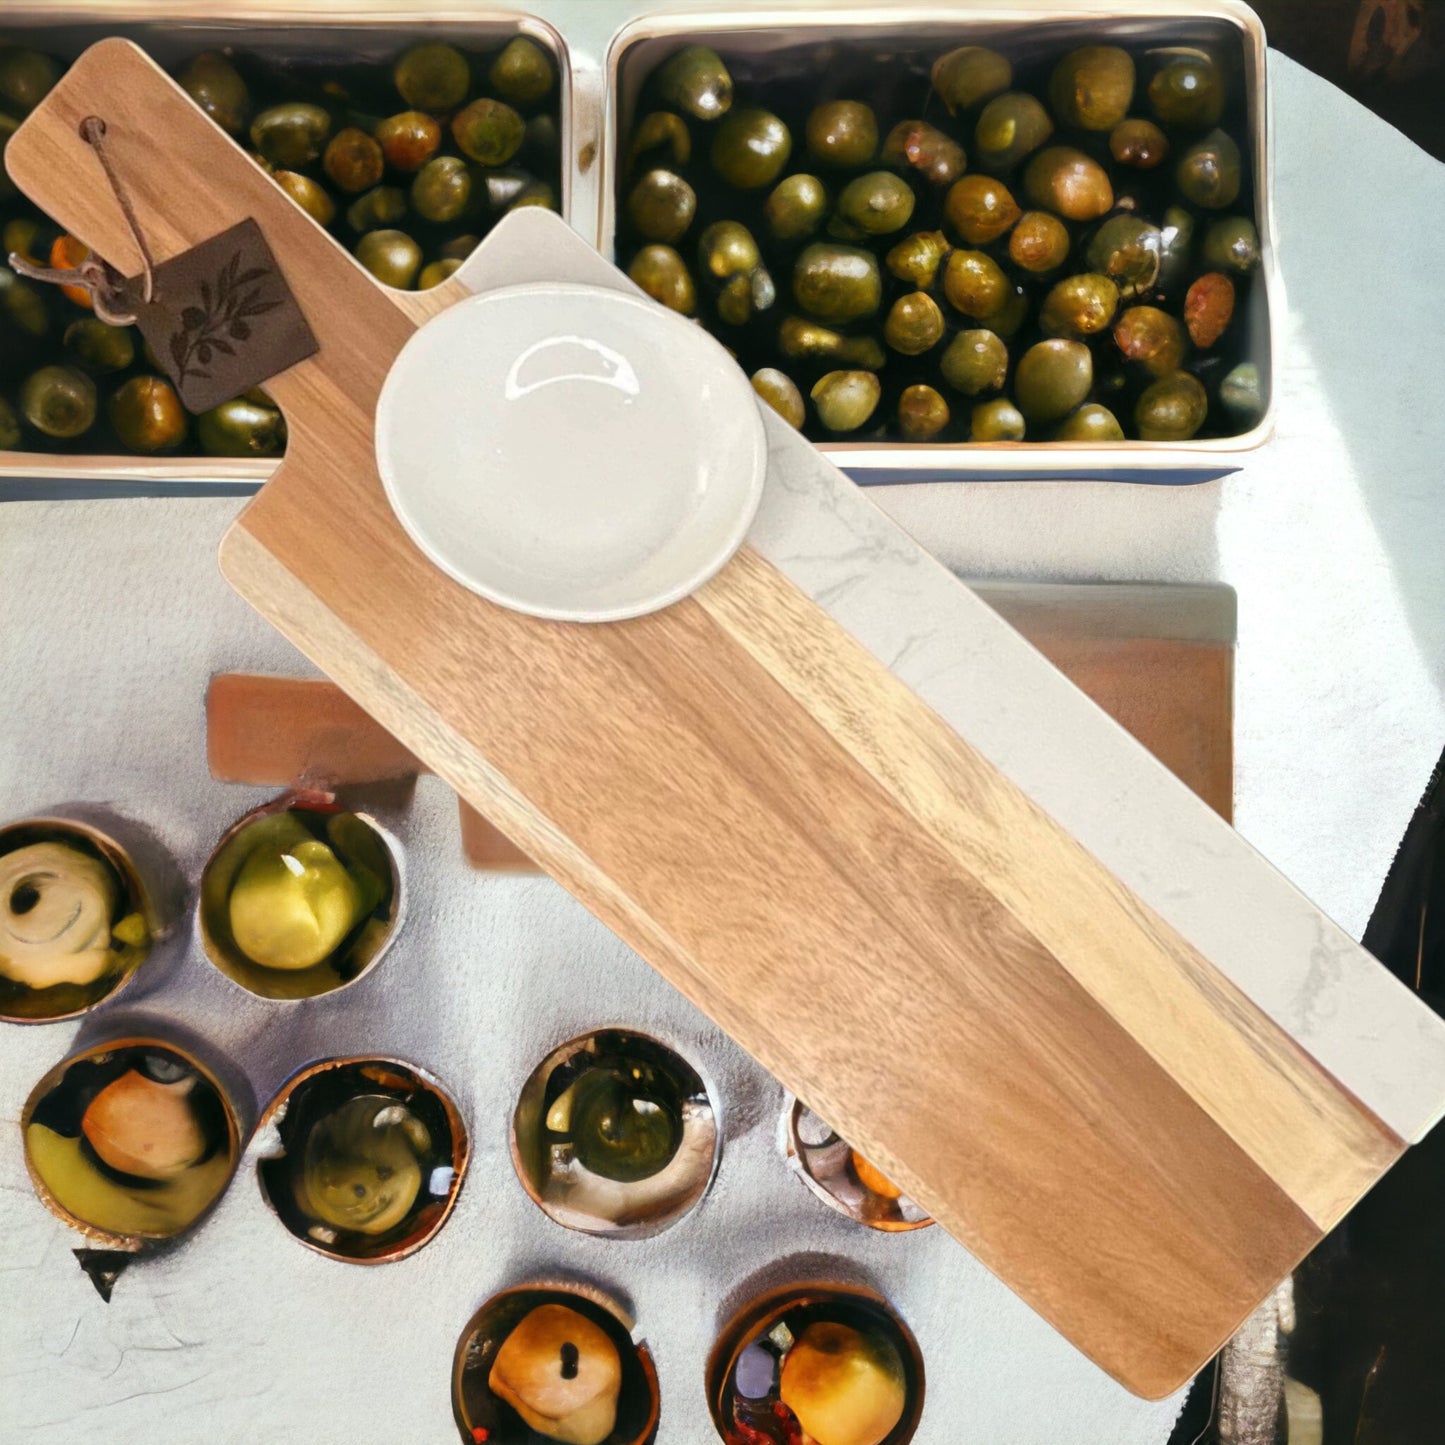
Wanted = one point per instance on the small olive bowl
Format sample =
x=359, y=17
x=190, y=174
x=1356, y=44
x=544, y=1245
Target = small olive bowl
x=481, y=1414
x=362, y=1159
x=353, y=870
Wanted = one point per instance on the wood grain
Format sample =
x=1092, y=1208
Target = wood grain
x=790, y=836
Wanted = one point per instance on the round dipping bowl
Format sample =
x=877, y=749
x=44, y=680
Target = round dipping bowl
x=76, y=920
x=536, y=1338
x=362, y=1159
x=300, y=898
x=130, y=1142
x=791, y=1342
x=615, y=1134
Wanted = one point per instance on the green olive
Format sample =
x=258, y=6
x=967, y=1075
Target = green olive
x=384, y=206
x=970, y=74
x=980, y=209
x=436, y=272
x=914, y=324
x=1241, y=393
x=1209, y=172
x=975, y=361
x=660, y=130
x=1138, y=143
x=795, y=207
x=837, y=284
x=312, y=198
x=1079, y=306
x=535, y=193
x=291, y=135
x=147, y=415
x=1172, y=409
x=1232, y=244
x=998, y=420
x=1188, y=90
x=842, y=133
x=522, y=74
x=1052, y=378
x=1130, y=251
x=241, y=428
x=750, y=148
x=100, y=348
x=458, y=248
x=696, y=81
x=1012, y=314
x=26, y=78
x=353, y=160
x=1039, y=242
x=216, y=86
x=391, y=256
x=844, y=400
x=1091, y=423
x=442, y=189
x=22, y=305
x=489, y=131
x=1093, y=87
x=663, y=274
x=1010, y=127
x=917, y=258
x=542, y=141
x=875, y=204
x=433, y=76
x=922, y=413
x=59, y=401
x=1067, y=181
x=1176, y=239
x=916, y=145
x=10, y=433
x=409, y=140
x=744, y=295
x=726, y=249
x=1152, y=337
x=661, y=206
x=807, y=340
x=974, y=284
x=780, y=392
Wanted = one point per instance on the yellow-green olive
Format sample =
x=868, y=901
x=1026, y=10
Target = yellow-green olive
x=522, y=74
x=353, y=160
x=391, y=256
x=1171, y=409
x=1039, y=242
x=695, y=80
x=842, y=133
x=1079, y=306
x=216, y=86
x=998, y=420
x=442, y=189
x=1188, y=90
x=663, y=274
x=1010, y=127
x=1093, y=87
x=844, y=400
x=799, y=339
x=1052, y=378
x=974, y=284
x=875, y=204
x=312, y=198
x=489, y=131
x=437, y=272
x=660, y=130
x=1209, y=172
x=917, y=258
x=291, y=135
x=795, y=207
x=433, y=76
x=1129, y=250
x=1152, y=337
x=726, y=249
x=970, y=74
x=99, y=348
x=241, y=427
x=1232, y=244
x=59, y=401
x=779, y=391
x=914, y=324
x=1090, y=423
x=383, y=206
x=660, y=206
x=750, y=148
x=837, y=284
x=975, y=361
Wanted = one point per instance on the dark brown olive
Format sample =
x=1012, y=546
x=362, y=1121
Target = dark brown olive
x=918, y=146
x=1138, y=143
x=876, y=204
x=837, y=284
x=922, y=413
x=750, y=148
x=998, y=420
x=663, y=274
x=1010, y=127
x=1093, y=87
x=353, y=160
x=779, y=391
x=975, y=361
x=311, y=197
x=914, y=324
x=807, y=340
x=1091, y=423
x=147, y=415
x=917, y=258
x=409, y=140
x=1152, y=337
x=489, y=131
x=844, y=400
x=442, y=189
x=661, y=206
x=1052, y=378
x=974, y=284
x=1039, y=242
x=522, y=74
x=1172, y=409
x=1065, y=180
x=1209, y=172
x=842, y=133
x=1188, y=90
x=795, y=207
x=980, y=209
x=660, y=130
x=695, y=80
x=970, y=74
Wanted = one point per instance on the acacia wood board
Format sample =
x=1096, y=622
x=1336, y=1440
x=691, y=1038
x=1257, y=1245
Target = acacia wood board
x=1102, y=1042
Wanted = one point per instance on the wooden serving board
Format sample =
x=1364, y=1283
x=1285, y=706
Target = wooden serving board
x=841, y=806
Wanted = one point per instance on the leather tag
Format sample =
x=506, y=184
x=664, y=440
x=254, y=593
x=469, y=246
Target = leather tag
x=222, y=319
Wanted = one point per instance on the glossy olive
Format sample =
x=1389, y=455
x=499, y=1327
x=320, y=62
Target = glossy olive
x=844, y=400
x=998, y=420
x=744, y=295
x=970, y=74
x=1232, y=244
x=980, y=209
x=796, y=207
x=837, y=284
x=1079, y=306
x=1176, y=237
x=26, y=78
x=242, y=427
x=1010, y=127
x=974, y=284
x=660, y=206
x=147, y=415
x=660, y=130
x=314, y=199
x=536, y=193
x=876, y=204
x=917, y=258
x=1188, y=90
x=842, y=133
x=750, y=148
x=1152, y=337
x=489, y=131
x=975, y=361
x=1065, y=180
x=780, y=392
x=663, y=274
x=433, y=76
x=384, y=206
x=1208, y=308
x=409, y=140
x=391, y=256
x=100, y=348
x=1092, y=87
x=807, y=340
x=1129, y=250
x=442, y=189
x=353, y=160
x=914, y=324
x=1012, y=314
x=726, y=249
x=918, y=146
x=1138, y=143
x=1242, y=393
x=1209, y=172
x=922, y=413
x=1039, y=242
x=216, y=86
x=435, y=272
x=1172, y=409
x=1052, y=378
x=59, y=401
x=291, y=135
x=522, y=74
x=1090, y=423
x=696, y=81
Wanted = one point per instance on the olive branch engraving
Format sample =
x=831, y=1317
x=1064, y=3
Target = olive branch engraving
x=223, y=317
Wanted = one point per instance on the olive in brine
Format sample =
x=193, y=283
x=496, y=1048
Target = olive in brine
x=59, y=401
x=1172, y=409
x=489, y=131
x=1093, y=87
x=409, y=140
x=974, y=284
x=29, y=237
x=1209, y=172
x=384, y=206
x=914, y=324
x=743, y=296
x=435, y=272
x=660, y=130
x=663, y=274
x=1241, y=393
x=998, y=420
x=922, y=413
x=1232, y=244
x=1012, y=314
x=918, y=146
x=837, y=284
x=1129, y=251
x=147, y=414
x=876, y=204
x=844, y=400
x=535, y=193
x=26, y=78
x=1079, y=306
x=779, y=391
x=1091, y=423
x=241, y=427
x=434, y=76
x=442, y=189
x=975, y=361
x=970, y=74
x=660, y=206
x=799, y=339
x=100, y=348
x=522, y=73
x=750, y=148
x=391, y=256
x=1069, y=182
x=696, y=81
x=917, y=258
x=22, y=305
x=980, y=209
x=726, y=249
x=1010, y=127
x=1039, y=242
x=1138, y=143
x=1176, y=239
x=796, y=207
x=842, y=133
x=1152, y=337
x=216, y=86
x=1052, y=378
x=291, y=135
x=311, y=197
x=10, y=433
x=1208, y=308
x=353, y=161
x=1188, y=89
